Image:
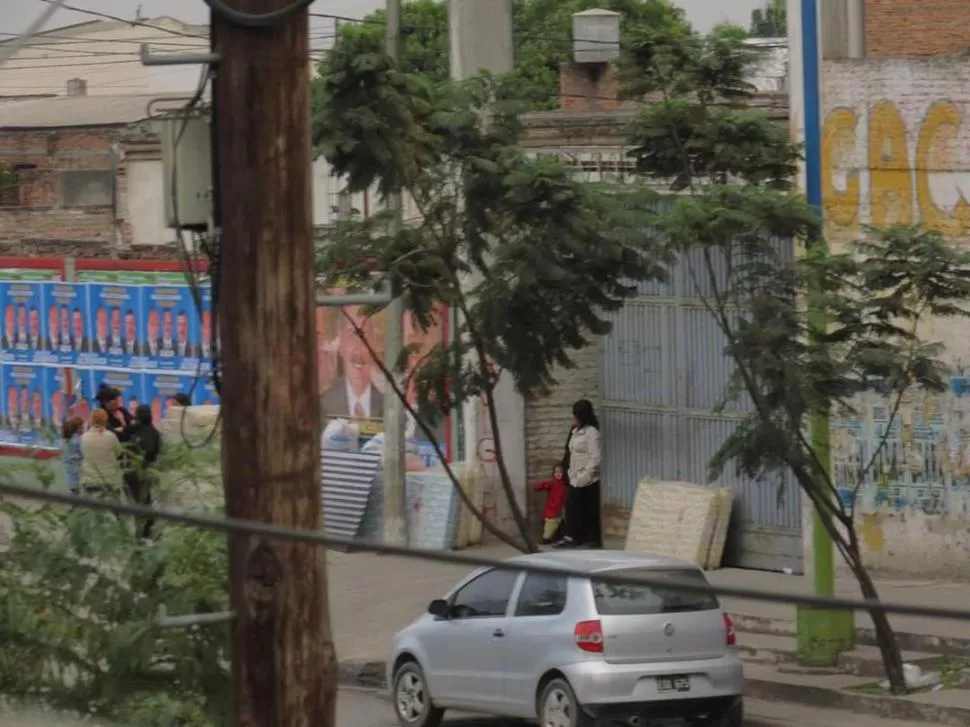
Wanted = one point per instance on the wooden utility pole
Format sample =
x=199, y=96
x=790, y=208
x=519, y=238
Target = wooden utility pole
x=283, y=663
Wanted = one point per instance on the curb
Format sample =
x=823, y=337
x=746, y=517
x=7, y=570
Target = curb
x=362, y=674
x=884, y=707
x=927, y=643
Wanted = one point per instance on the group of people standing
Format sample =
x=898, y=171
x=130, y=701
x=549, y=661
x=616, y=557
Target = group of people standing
x=572, y=517
x=116, y=452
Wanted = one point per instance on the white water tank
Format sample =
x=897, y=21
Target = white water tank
x=596, y=36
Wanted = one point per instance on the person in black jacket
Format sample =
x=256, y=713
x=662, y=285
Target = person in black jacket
x=144, y=447
x=119, y=418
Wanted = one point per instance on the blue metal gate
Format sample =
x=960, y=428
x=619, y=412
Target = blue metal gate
x=663, y=374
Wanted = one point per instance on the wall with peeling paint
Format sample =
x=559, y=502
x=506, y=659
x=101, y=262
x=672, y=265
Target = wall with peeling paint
x=896, y=148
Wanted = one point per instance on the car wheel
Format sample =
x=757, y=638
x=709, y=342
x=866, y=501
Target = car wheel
x=558, y=706
x=412, y=700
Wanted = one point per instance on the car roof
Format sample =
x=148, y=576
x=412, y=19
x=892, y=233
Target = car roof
x=597, y=561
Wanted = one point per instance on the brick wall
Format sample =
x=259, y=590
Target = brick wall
x=589, y=87
x=548, y=418
x=45, y=223
x=916, y=27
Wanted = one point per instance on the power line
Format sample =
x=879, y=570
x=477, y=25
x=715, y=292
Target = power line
x=118, y=19
x=236, y=526
x=34, y=28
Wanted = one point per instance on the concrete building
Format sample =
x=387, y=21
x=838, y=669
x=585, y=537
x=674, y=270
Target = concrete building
x=895, y=146
x=105, y=54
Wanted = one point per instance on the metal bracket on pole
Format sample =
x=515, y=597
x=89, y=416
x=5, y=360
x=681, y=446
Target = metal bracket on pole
x=175, y=59
x=383, y=296
x=193, y=619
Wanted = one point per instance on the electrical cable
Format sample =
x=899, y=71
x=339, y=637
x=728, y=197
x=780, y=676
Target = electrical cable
x=118, y=19
x=34, y=28
x=237, y=526
x=261, y=20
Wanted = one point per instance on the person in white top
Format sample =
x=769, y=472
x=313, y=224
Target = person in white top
x=583, y=526
x=100, y=457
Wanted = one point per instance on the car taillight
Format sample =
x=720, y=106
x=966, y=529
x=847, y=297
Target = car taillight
x=732, y=637
x=589, y=636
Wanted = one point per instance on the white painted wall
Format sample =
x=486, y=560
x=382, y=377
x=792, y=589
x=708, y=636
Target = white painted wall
x=145, y=203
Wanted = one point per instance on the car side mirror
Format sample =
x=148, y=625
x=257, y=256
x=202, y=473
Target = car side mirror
x=440, y=608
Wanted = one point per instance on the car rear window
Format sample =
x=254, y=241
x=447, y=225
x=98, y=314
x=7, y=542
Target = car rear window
x=636, y=600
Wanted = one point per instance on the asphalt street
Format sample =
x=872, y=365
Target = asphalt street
x=360, y=708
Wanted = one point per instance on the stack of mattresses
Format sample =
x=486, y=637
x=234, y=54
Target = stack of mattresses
x=680, y=520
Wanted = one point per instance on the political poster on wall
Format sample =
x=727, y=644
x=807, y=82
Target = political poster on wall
x=115, y=312
x=66, y=397
x=205, y=328
x=24, y=326
x=67, y=316
x=130, y=277
x=351, y=383
x=25, y=417
x=131, y=384
x=171, y=326
x=205, y=392
x=161, y=388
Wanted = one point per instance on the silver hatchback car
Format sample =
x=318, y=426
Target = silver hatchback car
x=569, y=651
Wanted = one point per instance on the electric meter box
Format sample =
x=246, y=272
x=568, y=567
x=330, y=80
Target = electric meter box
x=187, y=172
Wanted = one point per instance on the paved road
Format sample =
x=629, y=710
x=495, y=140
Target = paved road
x=366, y=709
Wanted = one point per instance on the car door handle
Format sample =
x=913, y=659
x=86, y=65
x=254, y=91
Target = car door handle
x=498, y=633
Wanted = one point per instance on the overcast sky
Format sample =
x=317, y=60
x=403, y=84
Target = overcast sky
x=19, y=13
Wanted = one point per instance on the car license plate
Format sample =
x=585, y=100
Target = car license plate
x=673, y=684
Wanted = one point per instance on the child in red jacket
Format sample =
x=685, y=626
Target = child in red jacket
x=555, y=499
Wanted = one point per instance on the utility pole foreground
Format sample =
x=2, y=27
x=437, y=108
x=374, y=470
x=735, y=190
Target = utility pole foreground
x=283, y=662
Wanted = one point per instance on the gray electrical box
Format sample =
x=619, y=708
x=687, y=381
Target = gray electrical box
x=187, y=172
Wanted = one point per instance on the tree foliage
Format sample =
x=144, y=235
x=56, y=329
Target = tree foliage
x=543, y=39
x=80, y=598
x=807, y=335
x=770, y=20
x=531, y=258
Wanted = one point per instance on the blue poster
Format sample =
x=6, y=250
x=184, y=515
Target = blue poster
x=205, y=392
x=131, y=384
x=24, y=301
x=171, y=327
x=115, y=312
x=161, y=388
x=26, y=418
x=205, y=328
x=68, y=335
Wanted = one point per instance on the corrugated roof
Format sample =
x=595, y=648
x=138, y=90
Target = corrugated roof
x=74, y=111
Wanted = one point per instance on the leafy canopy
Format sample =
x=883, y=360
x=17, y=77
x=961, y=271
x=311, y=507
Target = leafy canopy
x=80, y=595
x=531, y=257
x=806, y=335
x=543, y=39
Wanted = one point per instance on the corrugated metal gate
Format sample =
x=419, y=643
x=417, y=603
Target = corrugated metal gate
x=663, y=374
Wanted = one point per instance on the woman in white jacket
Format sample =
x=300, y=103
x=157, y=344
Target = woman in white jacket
x=583, y=526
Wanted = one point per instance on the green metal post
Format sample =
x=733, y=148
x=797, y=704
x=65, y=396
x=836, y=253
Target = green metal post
x=821, y=634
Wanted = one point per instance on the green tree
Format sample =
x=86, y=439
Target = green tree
x=770, y=20
x=531, y=258
x=807, y=336
x=543, y=39
x=80, y=600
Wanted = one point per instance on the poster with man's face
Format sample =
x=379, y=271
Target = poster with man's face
x=205, y=329
x=172, y=328
x=117, y=339
x=161, y=388
x=30, y=340
x=352, y=385
x=26, y=416
x=67, y=311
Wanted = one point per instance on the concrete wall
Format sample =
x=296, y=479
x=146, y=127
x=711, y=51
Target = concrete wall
x=896, y=28
x=896, y=149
